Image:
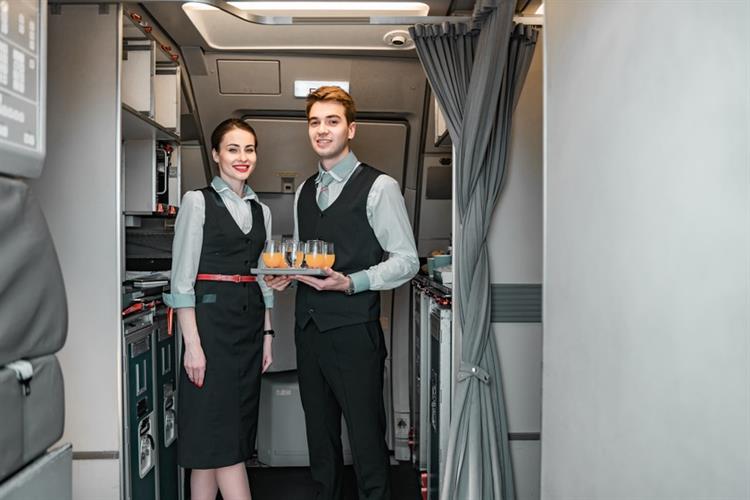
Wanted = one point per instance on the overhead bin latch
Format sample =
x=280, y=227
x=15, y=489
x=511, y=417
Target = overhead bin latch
x=24, y=373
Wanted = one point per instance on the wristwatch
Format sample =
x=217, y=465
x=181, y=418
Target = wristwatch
x=269, y=332
x=350, y=289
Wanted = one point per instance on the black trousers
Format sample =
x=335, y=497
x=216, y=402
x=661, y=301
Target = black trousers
x=341, y=370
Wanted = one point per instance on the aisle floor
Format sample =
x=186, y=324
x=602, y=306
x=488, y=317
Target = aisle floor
x=295, y=483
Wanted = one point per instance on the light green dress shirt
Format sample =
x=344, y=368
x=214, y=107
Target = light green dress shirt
x=386, y=213
x=188, y=239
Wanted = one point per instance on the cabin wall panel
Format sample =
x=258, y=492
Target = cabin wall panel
x=520, y=350
x=79, y=192
x=96, y=479
x=526, y=460
x=515, y=249
x=647, y=213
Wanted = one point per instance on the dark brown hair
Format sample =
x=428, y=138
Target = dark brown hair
x=227, y=125
x=336, y=94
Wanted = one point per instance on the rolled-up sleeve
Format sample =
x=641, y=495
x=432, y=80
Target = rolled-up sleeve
x=386, y=212
x=265, y=289
x=186, y=250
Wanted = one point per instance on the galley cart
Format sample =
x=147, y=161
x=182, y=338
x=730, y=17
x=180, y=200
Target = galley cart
x=440, y=386
x=140, y=433
x=165, y=348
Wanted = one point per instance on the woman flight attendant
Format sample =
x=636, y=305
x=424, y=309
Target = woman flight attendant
x=224, y=316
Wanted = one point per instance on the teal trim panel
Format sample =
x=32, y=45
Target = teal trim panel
x=516, y=303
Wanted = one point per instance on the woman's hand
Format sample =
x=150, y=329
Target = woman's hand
x=195, y=364
x=278, y=283
x=267, y=352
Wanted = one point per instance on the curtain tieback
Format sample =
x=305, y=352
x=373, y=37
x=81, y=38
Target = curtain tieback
x=467, y=370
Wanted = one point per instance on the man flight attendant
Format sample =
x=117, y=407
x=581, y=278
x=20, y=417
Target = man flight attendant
x=340, y=344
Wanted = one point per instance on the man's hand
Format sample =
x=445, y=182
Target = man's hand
x=278, y=283
x=334, y=281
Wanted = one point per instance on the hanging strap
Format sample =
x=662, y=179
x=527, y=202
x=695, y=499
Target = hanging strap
x=24, y=373
x=170, y=321
x=467, y=370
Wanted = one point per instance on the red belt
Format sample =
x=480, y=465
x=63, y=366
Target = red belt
x=234, y=278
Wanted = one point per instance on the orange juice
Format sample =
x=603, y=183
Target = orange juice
x=329, y=259
x=278, y=259
x=275, y=259
x=314, y=260
x=267, y=258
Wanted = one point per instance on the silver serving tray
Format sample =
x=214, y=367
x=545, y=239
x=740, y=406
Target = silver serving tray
x=286, y=271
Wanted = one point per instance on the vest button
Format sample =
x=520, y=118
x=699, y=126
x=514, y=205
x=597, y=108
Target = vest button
x=311, y=310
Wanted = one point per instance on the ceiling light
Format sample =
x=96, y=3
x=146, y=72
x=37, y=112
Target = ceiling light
x=327, y=9
x=302, y=9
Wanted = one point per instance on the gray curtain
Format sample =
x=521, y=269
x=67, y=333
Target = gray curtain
x=477, y=79
x=446, y=52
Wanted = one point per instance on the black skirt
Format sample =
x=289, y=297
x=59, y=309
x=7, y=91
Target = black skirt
x=218, y=422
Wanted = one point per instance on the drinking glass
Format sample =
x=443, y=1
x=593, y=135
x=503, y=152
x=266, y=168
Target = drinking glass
x=299, y=256
x=293, y=253
x=329, y=255
x=314, y=254
x=273, y=255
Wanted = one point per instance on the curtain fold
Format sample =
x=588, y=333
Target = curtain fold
x=447, y=53
x=477, y=73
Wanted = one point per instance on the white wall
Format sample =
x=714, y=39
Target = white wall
x=79, y=192
x=515, y=246
x=647, y=244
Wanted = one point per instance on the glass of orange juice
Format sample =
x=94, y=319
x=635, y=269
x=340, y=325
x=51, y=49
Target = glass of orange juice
x=273, y=255
x=329, y=255
x=293, y=253
x=314, y=254
x=299, y=255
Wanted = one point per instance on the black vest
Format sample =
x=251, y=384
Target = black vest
x=226, y=249
x=345, y=224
